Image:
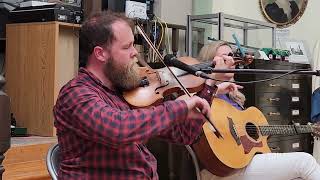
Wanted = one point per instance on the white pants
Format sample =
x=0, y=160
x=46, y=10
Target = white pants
x=275, y=166
x=316, y=148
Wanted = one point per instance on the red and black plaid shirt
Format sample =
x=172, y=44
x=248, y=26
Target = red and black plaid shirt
x=101, y=137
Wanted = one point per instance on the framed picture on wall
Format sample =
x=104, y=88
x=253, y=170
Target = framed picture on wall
x=299, y=53
x=283, y=13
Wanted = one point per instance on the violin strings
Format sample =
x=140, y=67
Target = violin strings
x=142, y=32
x=140, y=29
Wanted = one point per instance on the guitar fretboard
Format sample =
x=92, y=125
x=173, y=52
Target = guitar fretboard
x=285, y=129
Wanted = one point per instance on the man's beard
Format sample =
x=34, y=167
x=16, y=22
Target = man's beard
x=123, y=78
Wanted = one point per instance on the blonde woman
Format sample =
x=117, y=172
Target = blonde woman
x=270, y=166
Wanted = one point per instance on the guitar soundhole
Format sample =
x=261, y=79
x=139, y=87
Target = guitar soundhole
x=252, y=131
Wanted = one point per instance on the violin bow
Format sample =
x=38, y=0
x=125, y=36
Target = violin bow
x=148, y=40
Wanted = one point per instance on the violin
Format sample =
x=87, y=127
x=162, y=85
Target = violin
x=244, y=61
x=160, y=82
x=156, y=84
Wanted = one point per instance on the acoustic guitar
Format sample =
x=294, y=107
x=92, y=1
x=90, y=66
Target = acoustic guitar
x=243, y=134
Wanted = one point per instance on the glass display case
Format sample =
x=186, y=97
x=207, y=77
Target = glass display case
x=220, y=26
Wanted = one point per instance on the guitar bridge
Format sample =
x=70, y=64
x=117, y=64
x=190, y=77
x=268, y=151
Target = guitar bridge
x=233, y=131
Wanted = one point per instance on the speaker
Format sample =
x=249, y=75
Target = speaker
x=114, y=5
x=5, y=7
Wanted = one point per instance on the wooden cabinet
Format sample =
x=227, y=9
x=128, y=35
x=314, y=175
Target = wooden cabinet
x=40, y=59
x=283, y=101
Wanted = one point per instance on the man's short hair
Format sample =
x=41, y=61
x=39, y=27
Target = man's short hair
x=97, y=31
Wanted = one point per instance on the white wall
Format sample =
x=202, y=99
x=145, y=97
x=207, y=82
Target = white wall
x=202, y=7
x=175, y=11
x=306, y=29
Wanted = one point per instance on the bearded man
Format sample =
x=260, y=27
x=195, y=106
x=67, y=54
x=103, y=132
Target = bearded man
x=99, y=134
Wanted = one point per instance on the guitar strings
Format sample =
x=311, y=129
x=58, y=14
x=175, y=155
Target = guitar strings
x=253, y=128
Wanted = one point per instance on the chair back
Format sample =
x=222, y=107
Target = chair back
x=53, y=161
x=4, y=123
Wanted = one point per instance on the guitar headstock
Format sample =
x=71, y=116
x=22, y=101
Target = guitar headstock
x=316, y=130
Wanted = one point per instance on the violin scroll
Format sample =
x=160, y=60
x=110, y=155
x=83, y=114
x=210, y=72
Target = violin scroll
x=246, y=60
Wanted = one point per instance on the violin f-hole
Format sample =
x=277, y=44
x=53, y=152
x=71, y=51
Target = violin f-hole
x=161, y=86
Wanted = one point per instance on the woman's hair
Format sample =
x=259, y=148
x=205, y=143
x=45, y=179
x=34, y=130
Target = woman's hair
x=208, y=52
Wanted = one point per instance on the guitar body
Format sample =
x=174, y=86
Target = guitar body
x=225, y=155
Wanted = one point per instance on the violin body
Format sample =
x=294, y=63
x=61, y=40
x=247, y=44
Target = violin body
x=162, y=83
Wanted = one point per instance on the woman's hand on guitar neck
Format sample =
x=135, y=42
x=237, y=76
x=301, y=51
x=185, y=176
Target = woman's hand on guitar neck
x=226, y=87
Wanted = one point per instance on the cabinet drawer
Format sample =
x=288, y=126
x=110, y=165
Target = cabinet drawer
x=302, y=120
x=296, y=113
x=268, y=76
x=272, y=113
x=279, y=122
x=297, y=99
x=273, y=65
x=280, y=115
x=302, y=143
x=272, y=86
x=275, y=147
x=296, y=86
x=269, y=98
x=261, y=64
x=292, y=145
x=278, y=85
x=283, y=99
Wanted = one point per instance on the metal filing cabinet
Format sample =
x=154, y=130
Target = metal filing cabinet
x=283, y=101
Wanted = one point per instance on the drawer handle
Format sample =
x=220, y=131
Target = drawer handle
x=273, y=99
x=274, y=85
x=274, y=114
x=275, y=148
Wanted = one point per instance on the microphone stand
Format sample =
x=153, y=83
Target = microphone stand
x=264, y=71
x=204, y=73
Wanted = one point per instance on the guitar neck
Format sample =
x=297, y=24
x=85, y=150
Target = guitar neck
x=285, y=129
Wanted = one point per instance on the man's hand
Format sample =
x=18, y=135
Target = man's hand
x=197, y=102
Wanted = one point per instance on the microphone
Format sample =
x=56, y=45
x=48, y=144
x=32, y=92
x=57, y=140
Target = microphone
x=171, y=60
